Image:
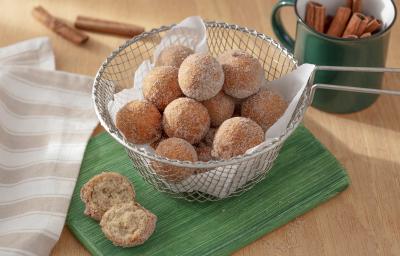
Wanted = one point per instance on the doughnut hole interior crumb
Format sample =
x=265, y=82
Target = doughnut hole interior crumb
x=128, y=224
x=105, y=190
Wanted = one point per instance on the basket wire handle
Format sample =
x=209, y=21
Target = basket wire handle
x=314, y=87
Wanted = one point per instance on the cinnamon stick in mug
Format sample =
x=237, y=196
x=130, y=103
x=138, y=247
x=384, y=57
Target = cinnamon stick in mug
x=315, y=16
x=108, y=27
x=58, y=26
x=354, y=23
x=363, y=26
x=319, y=18
x=310, y=13
x=339, y=22
x=373, y=26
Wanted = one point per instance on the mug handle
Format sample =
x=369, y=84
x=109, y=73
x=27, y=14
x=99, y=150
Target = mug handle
x=278, y=27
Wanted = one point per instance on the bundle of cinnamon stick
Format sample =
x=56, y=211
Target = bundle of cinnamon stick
x=348, y=22
x=84, y=23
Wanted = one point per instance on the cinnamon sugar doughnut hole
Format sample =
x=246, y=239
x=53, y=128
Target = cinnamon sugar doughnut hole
x=187, y=119
x=160, y=86
x=140, y=122
x=235, y=136
x=265, y=108
x=177, y=149
x=173, y=55
x=244, y=74
x=200, y=76
x=220, y=107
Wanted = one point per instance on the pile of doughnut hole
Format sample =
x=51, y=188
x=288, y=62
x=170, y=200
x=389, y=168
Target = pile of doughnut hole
x=200, y=108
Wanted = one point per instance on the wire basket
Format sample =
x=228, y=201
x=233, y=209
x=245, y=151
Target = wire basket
x=217, y=179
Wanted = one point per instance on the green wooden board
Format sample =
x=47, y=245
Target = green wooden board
x=304, y=176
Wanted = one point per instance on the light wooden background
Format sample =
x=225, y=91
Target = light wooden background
x=363, y=220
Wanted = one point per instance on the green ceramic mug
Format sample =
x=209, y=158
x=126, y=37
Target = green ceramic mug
x=313, y=47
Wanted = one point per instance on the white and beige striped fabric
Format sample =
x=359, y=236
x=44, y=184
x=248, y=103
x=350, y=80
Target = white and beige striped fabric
x=46, y=119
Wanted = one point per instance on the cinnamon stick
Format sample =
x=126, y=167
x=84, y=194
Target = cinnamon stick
x=362, y=26
x=315, y=16
x=339, y=22
x=108, y=27
x=373, y=26
x=354, y=24
x=310, y=13
x=357, y=6
x=319, y=18
x=58, y=26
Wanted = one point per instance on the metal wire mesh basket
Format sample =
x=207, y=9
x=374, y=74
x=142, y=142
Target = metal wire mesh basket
x=213, y=180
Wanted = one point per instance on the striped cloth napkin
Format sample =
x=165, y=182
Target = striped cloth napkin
x=46, y=119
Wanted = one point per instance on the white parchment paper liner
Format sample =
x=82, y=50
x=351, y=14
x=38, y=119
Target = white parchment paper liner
x=222, y=181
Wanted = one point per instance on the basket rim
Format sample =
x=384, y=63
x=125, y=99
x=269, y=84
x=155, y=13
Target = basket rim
x=114, y=132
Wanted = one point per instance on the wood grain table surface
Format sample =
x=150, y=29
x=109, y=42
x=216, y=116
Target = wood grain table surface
x=363, y=220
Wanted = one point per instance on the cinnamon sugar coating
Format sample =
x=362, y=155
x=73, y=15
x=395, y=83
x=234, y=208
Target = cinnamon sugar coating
x=265, y=108
x=200, y=76
x=235, y=136
x=173, y=55
x=220, y=107
x=160, y=86
x=139, y=121
x=187, y=119
x=176, y=149
x=244, y=74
